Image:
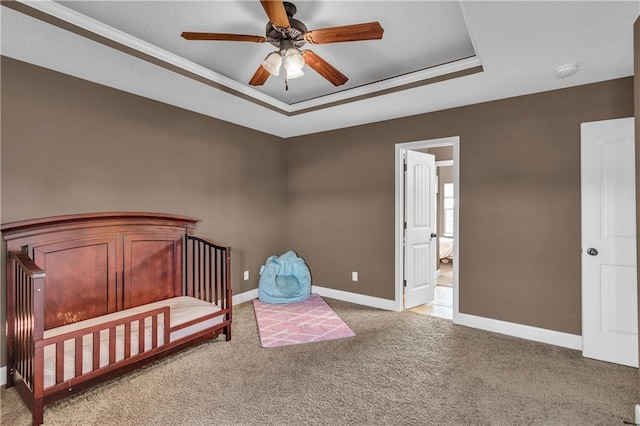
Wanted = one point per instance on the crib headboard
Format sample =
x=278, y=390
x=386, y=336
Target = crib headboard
x=98, y=263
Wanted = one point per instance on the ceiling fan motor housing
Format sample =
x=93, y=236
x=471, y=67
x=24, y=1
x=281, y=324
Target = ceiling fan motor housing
x=294, y=34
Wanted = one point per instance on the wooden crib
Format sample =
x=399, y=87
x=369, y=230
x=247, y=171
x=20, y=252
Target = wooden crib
x=92, y=296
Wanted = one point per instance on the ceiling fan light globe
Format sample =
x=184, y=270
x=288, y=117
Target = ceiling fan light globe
x=272, y=63
x=294, y=74
x=293, y=62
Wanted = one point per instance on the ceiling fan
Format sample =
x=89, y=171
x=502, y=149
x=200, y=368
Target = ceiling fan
x=288, y=35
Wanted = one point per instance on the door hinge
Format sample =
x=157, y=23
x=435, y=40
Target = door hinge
x=405, y=225
x=405, y=167
x=404, y=283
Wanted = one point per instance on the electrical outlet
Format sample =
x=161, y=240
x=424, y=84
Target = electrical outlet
x=354, y=276
x=246, y=275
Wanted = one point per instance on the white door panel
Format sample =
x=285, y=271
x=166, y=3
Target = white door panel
x=609, y=272
x=420, y=246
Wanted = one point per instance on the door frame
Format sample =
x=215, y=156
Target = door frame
x=400, y=150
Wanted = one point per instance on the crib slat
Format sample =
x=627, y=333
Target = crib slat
x=207, y=273
x=112, y=345
x=200, y=265
x=79, y=353
x=193, y=268
x=212, y=277
x=196, y=265
x=154, y=331
x=127, y=339
x=141, y=335
x=96, y=350
x=19, y=319
x=23, y=327
x=221, y=252
x=167, y=327
x=215, y=274
x=223, y=271
x=59, y=362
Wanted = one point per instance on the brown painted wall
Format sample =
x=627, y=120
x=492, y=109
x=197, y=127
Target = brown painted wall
x=71, y=146
x=519, y=201
x=442, y=153
x=636, y=91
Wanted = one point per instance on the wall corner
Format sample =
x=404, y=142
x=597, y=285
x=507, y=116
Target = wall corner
x=636, y=106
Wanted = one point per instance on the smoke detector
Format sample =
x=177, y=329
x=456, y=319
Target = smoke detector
x=566, y=70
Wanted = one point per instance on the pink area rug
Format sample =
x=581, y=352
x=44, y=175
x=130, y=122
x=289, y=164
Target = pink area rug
x=282, y=324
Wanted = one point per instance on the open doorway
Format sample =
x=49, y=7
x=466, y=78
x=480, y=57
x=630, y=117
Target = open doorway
x=444, y=303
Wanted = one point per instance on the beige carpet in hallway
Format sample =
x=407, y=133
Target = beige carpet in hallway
x=399, y=369
x=445, y=279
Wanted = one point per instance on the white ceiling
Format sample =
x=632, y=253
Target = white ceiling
x=422, y=35
x=518, y=44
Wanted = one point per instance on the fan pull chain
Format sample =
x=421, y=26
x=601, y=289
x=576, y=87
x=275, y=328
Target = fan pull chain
x=286, y=84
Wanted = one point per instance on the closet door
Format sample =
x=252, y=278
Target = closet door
x=152, y=267
x=85, y=267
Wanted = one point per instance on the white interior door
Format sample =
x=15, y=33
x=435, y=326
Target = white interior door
x=420, y=242
x=609, y=273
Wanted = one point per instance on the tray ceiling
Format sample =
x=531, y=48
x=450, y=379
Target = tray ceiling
x=434, y=55
x=418, y=36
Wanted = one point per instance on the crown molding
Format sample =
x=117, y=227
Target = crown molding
x=56, y=10
x=56, y=14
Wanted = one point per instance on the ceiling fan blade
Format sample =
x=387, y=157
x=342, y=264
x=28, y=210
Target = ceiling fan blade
x=356, y=32
x=276, y=13
x=324, y=68
x=260, y=77
x=223, y=37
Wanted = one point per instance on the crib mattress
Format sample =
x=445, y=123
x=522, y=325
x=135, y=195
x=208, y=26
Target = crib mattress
x=182, y=310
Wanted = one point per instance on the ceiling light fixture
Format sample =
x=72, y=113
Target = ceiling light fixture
x=272, y=63
x=288, y=35
x=293, y=63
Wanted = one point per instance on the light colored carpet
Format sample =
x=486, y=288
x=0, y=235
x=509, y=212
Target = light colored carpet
x=399, y=369
x=445, y=278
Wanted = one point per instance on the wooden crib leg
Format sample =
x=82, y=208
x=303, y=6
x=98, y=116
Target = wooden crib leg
x=37, y=412
x=227, y=332
x=10, y=382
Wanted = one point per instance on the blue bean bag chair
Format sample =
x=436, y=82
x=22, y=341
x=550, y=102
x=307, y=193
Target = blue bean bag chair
x=284, y=279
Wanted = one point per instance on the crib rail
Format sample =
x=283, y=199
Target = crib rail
x=208, y=272
x=110, y=346
x=25, y=287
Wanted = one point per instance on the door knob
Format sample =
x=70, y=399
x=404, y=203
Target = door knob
x=433, y=235
x=592, y=252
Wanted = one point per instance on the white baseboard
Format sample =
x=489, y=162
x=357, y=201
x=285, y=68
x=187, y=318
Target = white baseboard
x=245, y=297
x=345, y=296
x=558, y=338
x=638, y=414
x=552, y=337
x=359, y=299
x=3, y=376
